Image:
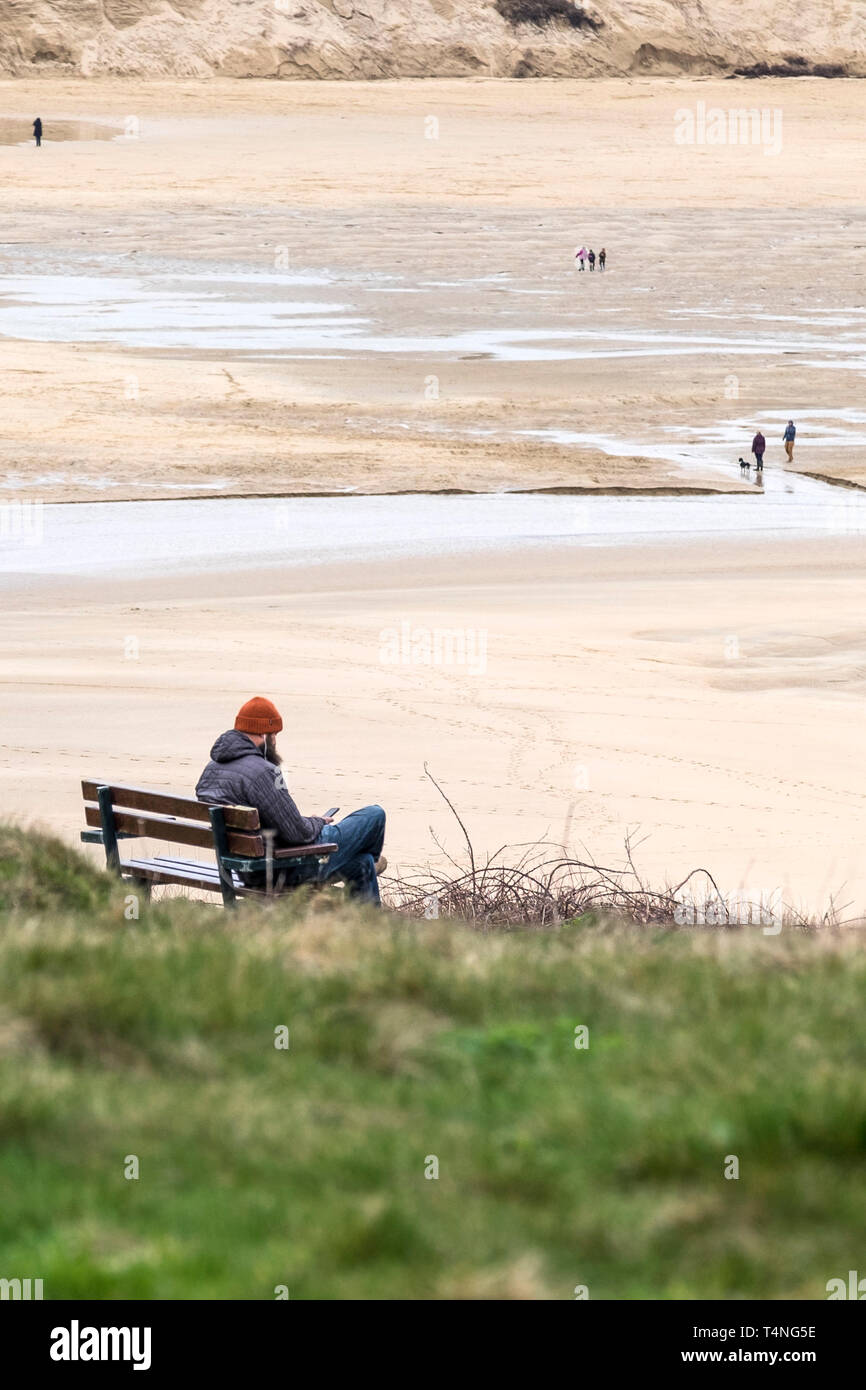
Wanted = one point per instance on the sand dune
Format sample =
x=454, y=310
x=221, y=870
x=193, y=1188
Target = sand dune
x=424, y=38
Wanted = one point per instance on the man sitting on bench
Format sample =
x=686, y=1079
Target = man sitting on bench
x=244, y=770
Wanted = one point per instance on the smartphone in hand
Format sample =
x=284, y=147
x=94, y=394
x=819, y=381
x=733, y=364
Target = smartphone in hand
x=330, y=814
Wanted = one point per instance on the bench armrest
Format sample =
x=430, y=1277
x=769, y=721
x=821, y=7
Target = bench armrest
x=298, y=851
x=243, y=865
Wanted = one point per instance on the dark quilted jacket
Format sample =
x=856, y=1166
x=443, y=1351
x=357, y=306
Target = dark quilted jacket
x=239, y=774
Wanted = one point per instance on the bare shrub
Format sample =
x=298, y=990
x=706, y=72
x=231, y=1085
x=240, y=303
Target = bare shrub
x=538, y=885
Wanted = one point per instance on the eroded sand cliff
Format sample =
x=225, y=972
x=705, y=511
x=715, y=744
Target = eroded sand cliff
x=432, y=38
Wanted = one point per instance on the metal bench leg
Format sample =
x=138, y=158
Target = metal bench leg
x=221, y=845
x=109, y=831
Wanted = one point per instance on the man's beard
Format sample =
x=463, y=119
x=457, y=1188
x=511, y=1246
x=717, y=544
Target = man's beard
x=271, y=750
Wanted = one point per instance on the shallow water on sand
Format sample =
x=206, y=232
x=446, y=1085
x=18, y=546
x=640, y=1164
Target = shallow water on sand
x=244, y=312
x=244, y=533
x=20, y=132
x=719, y=446
x=315, y=312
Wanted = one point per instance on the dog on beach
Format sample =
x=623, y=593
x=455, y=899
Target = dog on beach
x=744, y=466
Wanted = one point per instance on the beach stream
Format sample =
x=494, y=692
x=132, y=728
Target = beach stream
x=299, y=314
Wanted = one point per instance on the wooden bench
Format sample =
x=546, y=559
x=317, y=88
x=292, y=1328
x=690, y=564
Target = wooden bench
x=114, y=812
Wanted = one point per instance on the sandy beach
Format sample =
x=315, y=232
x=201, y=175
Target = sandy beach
x=271, y=288
x=661, y=691
x=266, y=290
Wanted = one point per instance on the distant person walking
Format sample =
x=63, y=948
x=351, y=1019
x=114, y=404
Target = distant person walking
x=592, y=260
x=37, y=131
x=580, y=257
x=602, y=257
x=759, y=445
x=789, y=436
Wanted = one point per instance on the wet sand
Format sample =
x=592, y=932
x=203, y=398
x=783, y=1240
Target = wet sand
x=283, y=288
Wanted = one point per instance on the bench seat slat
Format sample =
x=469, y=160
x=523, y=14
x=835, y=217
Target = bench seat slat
x=95, y=837
x=176, y=831
x=242, y=862
x=169, y=804
x=187, y=873
x=192, y=865
x=180, y=871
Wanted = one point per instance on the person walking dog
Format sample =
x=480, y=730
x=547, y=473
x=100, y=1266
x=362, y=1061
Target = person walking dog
x=759, y=445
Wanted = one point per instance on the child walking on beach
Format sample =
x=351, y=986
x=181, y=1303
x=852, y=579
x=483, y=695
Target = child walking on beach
x=580, y=257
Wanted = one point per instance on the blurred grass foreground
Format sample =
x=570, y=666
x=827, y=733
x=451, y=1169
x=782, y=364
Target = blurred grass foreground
x=309, y=1100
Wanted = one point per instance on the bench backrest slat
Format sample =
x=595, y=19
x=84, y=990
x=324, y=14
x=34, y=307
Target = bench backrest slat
x=181, y=832
x=126, y=798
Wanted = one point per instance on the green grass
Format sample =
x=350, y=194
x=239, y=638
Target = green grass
x=557, y=1167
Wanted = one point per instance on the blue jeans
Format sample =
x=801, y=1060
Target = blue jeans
x=359, y=838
